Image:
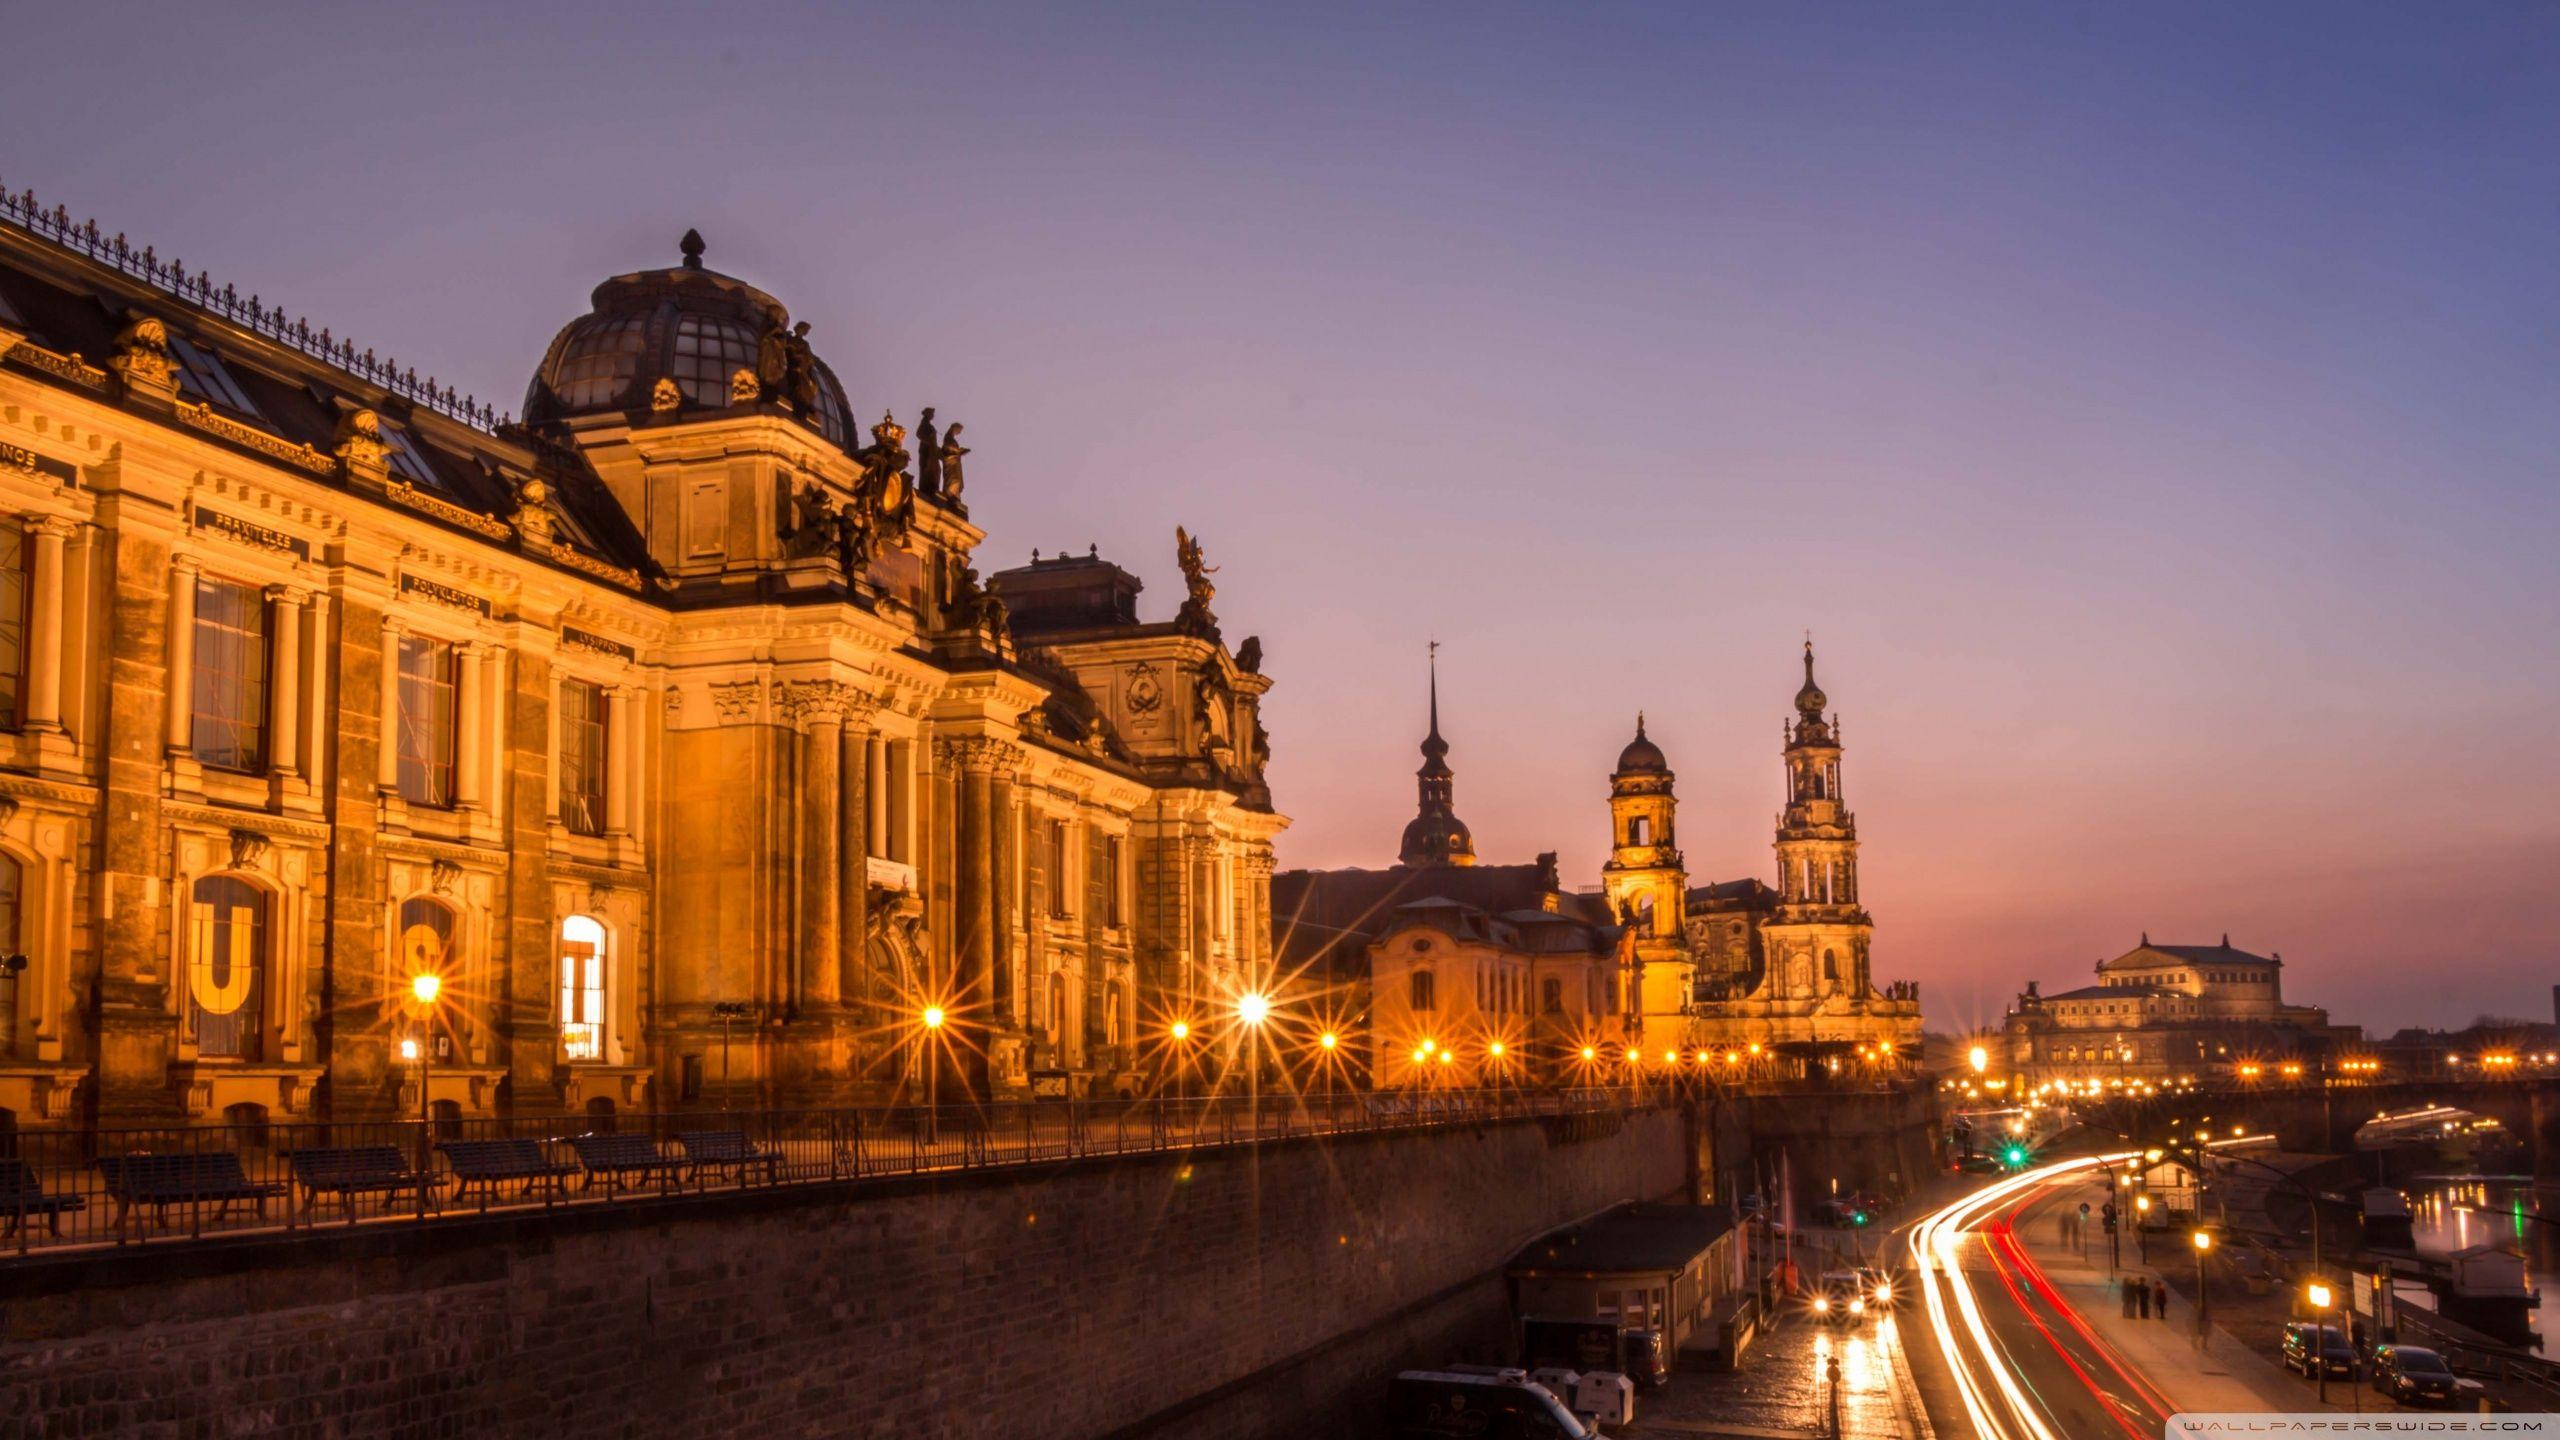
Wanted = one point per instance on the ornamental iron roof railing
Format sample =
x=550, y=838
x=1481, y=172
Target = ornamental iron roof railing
x=171, y=277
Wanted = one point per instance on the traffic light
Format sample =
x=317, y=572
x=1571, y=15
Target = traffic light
x=2015, y=1156
x=1858, y=1217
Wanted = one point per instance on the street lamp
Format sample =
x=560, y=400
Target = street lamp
x=2204, y=1247
x=1328, y=1042
x=2141, y=1225
x=932, y=1019
x=2317, y=1292
x=1978, y=1058
x=1252, y=1008
x=423, y=989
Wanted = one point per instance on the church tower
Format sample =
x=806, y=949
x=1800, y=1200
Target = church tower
x=1436, y=836
x=1647, y=883
x=1817, y=937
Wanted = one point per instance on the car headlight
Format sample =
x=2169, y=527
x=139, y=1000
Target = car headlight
x=1884, y=1292
x=1857, y=1307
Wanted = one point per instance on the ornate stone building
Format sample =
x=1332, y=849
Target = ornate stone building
x=1736, y=962
x=2160, y=1012
x=671, y=727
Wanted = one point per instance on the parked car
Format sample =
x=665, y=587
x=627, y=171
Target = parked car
x=2413, y=1375
x=2310, y=1349
x=1648, y=1357
x=1979, y=1165
x=1433, y=1404
x=1840, y=1299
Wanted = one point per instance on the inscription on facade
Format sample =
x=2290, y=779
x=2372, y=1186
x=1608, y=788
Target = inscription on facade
x=583, y=640
x=248, y=534
x=443, y=594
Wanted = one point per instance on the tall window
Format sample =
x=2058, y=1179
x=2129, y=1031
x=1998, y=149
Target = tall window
x=11, y=1005
x=1059, y=1013
x=582, y=757
x=1424, y=996
x=582, y=997
x=1053, y=857
x=230, y=702
x=1112, y=912
x=426, y=942
x=13, y=622
x=428, y=732
x=1640, y=831
x=226, y=958
x=1111, y=1023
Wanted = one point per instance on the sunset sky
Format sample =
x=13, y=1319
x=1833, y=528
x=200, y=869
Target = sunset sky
x=2152, y=412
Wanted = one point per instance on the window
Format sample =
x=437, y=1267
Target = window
x=596, y=365
x=1551, y=996
x=1111, y=1022
x=226, y=951
x=1059, y=1014
x=426, y=942
x=407, y=463
x=708, y=352
x=1053, y=860
x=11, y=883
x=1423, y=996
x=582, y=998
x=201, y=375
x=428, y=734
x=1640, y=830
x=13, y=622
x=230, y=702
x=1830, y=966
x=1112, y=911
x=583, y=741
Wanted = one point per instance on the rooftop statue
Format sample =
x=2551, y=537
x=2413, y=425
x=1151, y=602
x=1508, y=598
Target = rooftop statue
x=1195, y=576
x=946, y=461
x=787, y=368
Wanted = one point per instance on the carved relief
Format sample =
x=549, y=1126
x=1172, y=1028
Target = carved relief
x=736, y=699
x=249, y=849
x=359, y=445
x=142, y=356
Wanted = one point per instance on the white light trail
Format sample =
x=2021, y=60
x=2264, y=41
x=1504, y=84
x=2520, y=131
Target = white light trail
x=1937, y=1244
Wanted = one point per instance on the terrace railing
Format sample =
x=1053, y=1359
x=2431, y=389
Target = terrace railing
x=67, y=1189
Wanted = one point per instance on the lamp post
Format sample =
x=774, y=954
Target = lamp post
x=1493, y=1059
x=423, y=988
x=2317, y=1292
x=2141, y=1225
x=1252, y=1008
x=728, y=1012
x=2204, y=1247
x=931, y=1019
x=1328, y=1042
x=1180, y=1032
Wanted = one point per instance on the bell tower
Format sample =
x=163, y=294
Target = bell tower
x=1647, y=882
x=1817, y=939
x=1435, y=835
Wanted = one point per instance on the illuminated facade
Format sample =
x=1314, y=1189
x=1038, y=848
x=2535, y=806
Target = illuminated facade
x=671, y=726
x=2167, y=1011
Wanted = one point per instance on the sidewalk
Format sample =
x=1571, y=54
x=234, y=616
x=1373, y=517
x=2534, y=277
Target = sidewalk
x=2226, y=1375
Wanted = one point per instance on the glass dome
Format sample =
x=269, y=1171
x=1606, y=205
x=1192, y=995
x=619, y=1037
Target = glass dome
x=695, y=327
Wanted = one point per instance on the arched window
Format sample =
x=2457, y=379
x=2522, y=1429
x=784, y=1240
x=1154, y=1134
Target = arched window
x=1830, y=966
x=226, y=964
x=427, y=928
x=1059, y=1015
x=1640, y=830
x=1424, y=996
x=1644, y=915
x=1111, y=1016
x=583, y=1018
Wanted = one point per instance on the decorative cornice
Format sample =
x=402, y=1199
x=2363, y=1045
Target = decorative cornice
x=586, y=564
x=820, y=702
x=301, y=456
x=66, y=367
x=403, y=493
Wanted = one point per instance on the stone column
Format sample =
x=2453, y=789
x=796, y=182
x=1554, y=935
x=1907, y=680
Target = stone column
x=875, y=795
x=1006, y=822
x=902, y=801
x=46, y=583
x=470, y=698
x=854, y=842
x=182, y=656
x=974, y=950
x=816, y=709
x=621, y=747
x=284, y=702
x=315, y=689
x=386, y=769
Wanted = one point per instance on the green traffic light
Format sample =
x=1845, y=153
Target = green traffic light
x=2016, y=1155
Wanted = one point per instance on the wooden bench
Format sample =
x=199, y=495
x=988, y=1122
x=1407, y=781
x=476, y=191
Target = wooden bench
x=616, y=1156
x=347, y=1171
x=194, y=1177
x=22, y=1195
x=492, y=1163
x=728, y=1150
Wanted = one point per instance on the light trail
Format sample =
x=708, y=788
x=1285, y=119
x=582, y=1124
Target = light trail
x=1994, y=1397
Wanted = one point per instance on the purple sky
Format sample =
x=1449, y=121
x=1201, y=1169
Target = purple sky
x=2151, y=411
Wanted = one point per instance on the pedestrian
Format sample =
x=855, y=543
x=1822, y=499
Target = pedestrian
x=2159, y=1299
x=2141, y=1301
x=2125, y=1288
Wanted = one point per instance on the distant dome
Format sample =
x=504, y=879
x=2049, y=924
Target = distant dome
x=693, y=326
x=1437, y=838
x=1810, y=701
x=1642, y=756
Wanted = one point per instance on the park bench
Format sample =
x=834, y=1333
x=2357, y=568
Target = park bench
x=615, y=1157
x=22, y=1195
x=728, y=1150
x=346, y=1171
x=193, y=1177
x=489, y=1164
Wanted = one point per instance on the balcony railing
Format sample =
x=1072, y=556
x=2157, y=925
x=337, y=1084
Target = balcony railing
x=74, y=1189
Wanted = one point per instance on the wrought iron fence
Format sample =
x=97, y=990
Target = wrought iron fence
x=63, y=1189
x=197, y=288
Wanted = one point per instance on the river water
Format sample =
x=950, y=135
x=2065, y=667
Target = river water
x=2451, y=1213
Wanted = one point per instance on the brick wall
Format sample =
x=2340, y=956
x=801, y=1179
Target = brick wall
x=1230, y=1293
